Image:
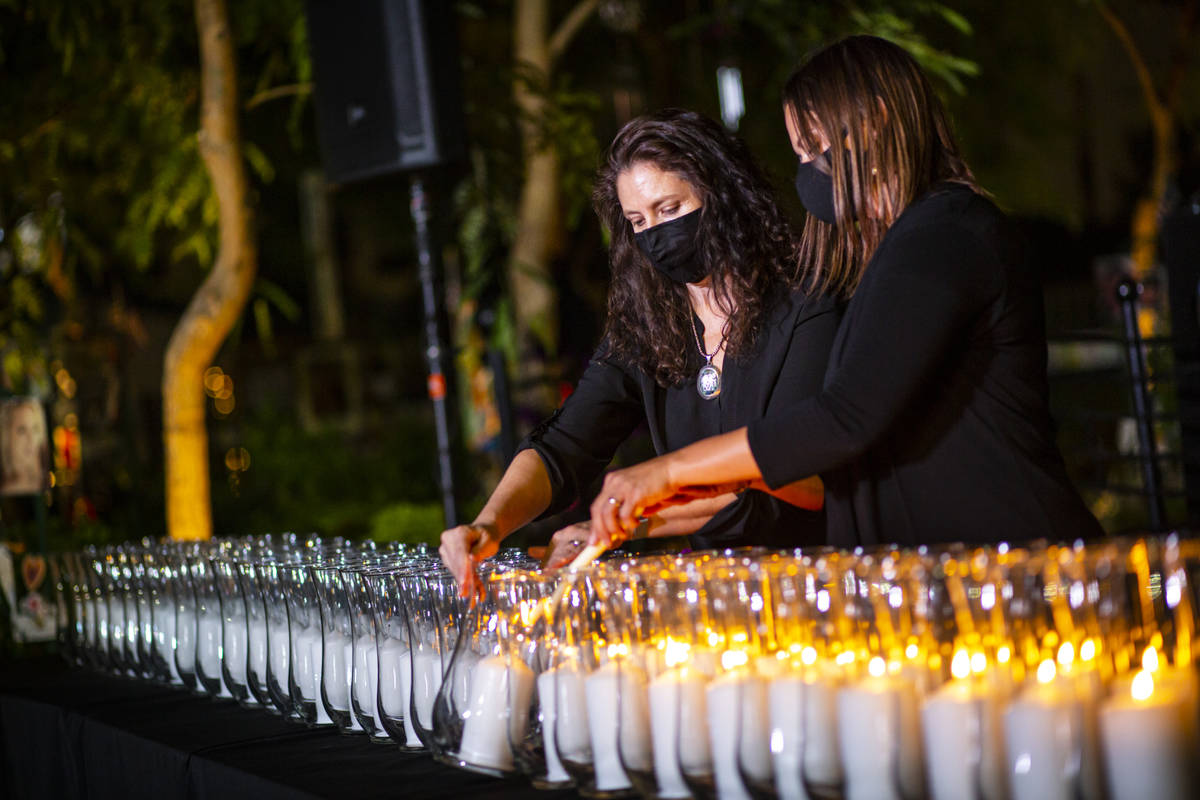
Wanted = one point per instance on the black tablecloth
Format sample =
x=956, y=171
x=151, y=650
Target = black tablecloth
x=68, y=733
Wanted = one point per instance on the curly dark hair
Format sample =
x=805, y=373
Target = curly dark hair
x=744, y=244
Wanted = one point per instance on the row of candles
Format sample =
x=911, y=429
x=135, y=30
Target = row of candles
x=1041, y=671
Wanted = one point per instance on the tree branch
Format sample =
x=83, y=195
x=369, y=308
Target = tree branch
x=569, y=27
x=1135, y=57
x=277, y=92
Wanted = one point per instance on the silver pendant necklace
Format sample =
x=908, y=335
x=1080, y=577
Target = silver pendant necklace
x=708, y=380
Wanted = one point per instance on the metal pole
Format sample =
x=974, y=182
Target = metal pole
x=1127, y=295
x=436, y=383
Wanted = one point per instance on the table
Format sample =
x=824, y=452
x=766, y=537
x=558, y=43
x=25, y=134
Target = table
x=73, y=733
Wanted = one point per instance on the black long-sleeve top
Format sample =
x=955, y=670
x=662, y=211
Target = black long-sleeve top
x=934, y=424
x=612, y=400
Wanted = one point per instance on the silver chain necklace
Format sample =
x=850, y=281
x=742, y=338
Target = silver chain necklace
x=708, y=380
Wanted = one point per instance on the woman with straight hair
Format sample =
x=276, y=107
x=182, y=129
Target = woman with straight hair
x=709, y=326
x=933, y=424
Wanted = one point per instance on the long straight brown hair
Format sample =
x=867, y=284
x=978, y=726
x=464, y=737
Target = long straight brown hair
x=889, y=141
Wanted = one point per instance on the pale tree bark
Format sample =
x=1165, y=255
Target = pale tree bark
x=1162, y=106
x=539, y=216
x=218, y=303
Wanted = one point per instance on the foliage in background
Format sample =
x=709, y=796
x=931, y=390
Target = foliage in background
x=323, y=482
x=101, y=136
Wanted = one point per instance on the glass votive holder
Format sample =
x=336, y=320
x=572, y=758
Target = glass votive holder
x=394, y=661
x=337, y=645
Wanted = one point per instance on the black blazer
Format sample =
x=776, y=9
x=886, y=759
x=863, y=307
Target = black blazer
x=934, y=423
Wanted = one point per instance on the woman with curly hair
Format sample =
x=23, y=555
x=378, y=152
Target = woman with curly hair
x=709, y=326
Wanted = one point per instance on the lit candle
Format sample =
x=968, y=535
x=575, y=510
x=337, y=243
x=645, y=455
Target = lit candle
x=464, y=666
x=963, y=737
x=677, y=696
x=498, y=713
x=546, y=706
x=1044, y=731
x=616, y=704
x=1149, y=748
x=803, y=717
x=738, y=727
x=572, y=741
x=879, y=737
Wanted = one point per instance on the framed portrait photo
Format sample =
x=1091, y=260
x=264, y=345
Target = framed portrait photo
x=24, y=447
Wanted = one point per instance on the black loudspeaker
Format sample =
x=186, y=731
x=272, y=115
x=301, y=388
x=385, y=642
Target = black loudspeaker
x=387, y=85
x=1181, y=252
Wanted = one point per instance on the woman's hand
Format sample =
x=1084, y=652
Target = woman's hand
x=564, y=545
x=462, y=548
x=627, y=495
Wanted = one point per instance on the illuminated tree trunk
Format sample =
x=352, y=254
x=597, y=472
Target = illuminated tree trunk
x=218, y=303
x=539, y=218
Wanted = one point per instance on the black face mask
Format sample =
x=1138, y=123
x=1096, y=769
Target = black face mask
x=671, y=248
x=815, y=189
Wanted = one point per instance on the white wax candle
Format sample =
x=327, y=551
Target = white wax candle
x=185, y=641
x=116, y=626
x=1149, y=749
x=208, y=645
x=348, y=654
x=616, y=701
x=546, y=705
x=316, y=644
x=336, y=671
x=366, y=680
x=426, y=681
x=498, y=712
x=879, y=737
x=146, y=619
x=571, y=737
x=257, y=631
x=395, y=688
x=739, y=732
x=90, y=626
x=280, y=661
x=165, y=641
x=234, y=650
x=670, y=694
x=464, y=667
x=131, y=626
x=964, y=742
x=797, y=708
x=103, y=631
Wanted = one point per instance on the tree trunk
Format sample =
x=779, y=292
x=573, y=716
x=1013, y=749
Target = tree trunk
x=218, y=303
x=539, y=215
x=535, y=299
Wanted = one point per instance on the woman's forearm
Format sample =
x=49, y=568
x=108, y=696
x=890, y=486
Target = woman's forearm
x=523, y=493
x=689, y=517
x=723, y=460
